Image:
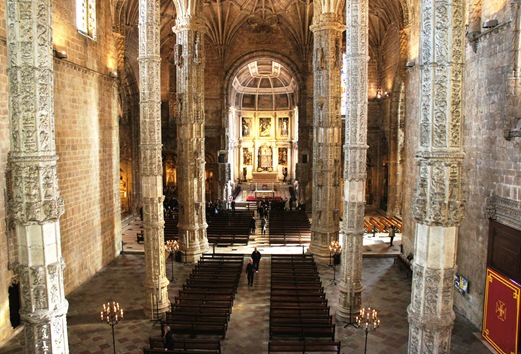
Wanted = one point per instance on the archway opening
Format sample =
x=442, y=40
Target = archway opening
x=263, y=122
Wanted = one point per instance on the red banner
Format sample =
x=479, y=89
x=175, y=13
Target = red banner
x=501, y=313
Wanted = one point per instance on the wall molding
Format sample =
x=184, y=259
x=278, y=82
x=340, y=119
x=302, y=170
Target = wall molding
x=505, y=211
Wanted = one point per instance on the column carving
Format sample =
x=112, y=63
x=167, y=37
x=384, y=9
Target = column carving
x=36, y=205
x=189, y=59
x=355, y=157
x=438, y=203
x=327, y=127
x=151, y=168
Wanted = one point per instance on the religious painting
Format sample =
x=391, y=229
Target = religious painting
x=283, y=156
x=248, y=101
x=284, y=127
x=264, y=127
x=282, y=101
x=246, y=126
x=265, y=101
x=246, y=156
x=265, y=158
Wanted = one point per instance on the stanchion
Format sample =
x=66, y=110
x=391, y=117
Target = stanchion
x=351, y=300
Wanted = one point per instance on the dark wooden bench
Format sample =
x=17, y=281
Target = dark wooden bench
x=210, y=286
x=199, y=328
x=199, y=307
x=284, y=311
x=201, y=346
x=303, y=347
x=285, y=319
x=156, y=342
x=172, y=317
x=207, y=311
x=303, y=331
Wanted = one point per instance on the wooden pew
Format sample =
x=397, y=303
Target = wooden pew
x=301, y=331
x=201, y=346
x=199, y=328
x=302, y=312
x=304, y=347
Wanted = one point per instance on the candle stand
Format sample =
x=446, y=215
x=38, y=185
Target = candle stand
x=368, y=321
x=334, y=258
x=111, y=315
x=172, y=246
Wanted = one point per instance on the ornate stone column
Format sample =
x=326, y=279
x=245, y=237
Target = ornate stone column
x=189, y=58
x=36, y=205
x=156, y=283
x=437, y=205
x=355, y=156
x=327, y=129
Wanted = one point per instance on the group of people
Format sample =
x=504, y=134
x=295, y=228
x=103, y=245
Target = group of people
x=263, y=225
x=253, y=265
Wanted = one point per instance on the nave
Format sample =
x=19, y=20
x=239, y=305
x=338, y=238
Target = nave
x=386, y=289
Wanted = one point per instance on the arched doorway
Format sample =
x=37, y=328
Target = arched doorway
x=263, y=122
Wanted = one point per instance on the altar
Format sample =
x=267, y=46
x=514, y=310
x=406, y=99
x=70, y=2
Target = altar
x=264, y=194
x=264, y=176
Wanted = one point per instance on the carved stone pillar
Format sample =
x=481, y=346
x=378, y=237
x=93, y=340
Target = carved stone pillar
x=189, y=58
x=437, y=205
x=355, y=156
x=156, y=283
x=396, y=143
x=36, y=205
x=327, y=129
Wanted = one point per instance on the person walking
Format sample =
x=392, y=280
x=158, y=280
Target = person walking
x=252, y=225
x=169, y=338
x=264, y=225
x=256, y=257
x=392, y=232
x=250, y=270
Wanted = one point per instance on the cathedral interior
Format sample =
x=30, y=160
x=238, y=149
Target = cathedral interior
x=404, y=110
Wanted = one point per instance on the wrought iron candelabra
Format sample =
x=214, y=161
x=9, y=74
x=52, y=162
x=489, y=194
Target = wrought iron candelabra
x=334, y=250
x=368, y=321
x=111, y=315
x=172, y=246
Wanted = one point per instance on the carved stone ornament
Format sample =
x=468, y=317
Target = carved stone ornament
x=438, y=196
x=508, y=212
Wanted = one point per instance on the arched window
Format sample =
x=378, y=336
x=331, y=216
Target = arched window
x=86, y=17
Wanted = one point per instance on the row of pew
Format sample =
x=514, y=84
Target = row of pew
x=289, y=227
x=200, y=312
x=229, y=228
x=382, y=223
x=299, y=320
x=204, y=304
x=225, y=228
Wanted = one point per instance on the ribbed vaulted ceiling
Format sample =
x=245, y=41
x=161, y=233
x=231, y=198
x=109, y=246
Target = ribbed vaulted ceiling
x=224, y=18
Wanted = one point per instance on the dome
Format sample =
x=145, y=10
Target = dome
x=264, y=85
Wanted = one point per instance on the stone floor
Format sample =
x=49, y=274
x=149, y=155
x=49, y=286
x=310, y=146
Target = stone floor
x=386, y=289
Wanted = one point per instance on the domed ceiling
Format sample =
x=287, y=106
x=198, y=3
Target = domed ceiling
x=263, y=84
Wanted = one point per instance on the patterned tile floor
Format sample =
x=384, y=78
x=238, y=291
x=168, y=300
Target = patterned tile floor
x=386, y=289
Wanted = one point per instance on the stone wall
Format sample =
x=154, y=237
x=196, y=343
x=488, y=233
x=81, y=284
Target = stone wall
x=87, y=145
x=492, y=164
